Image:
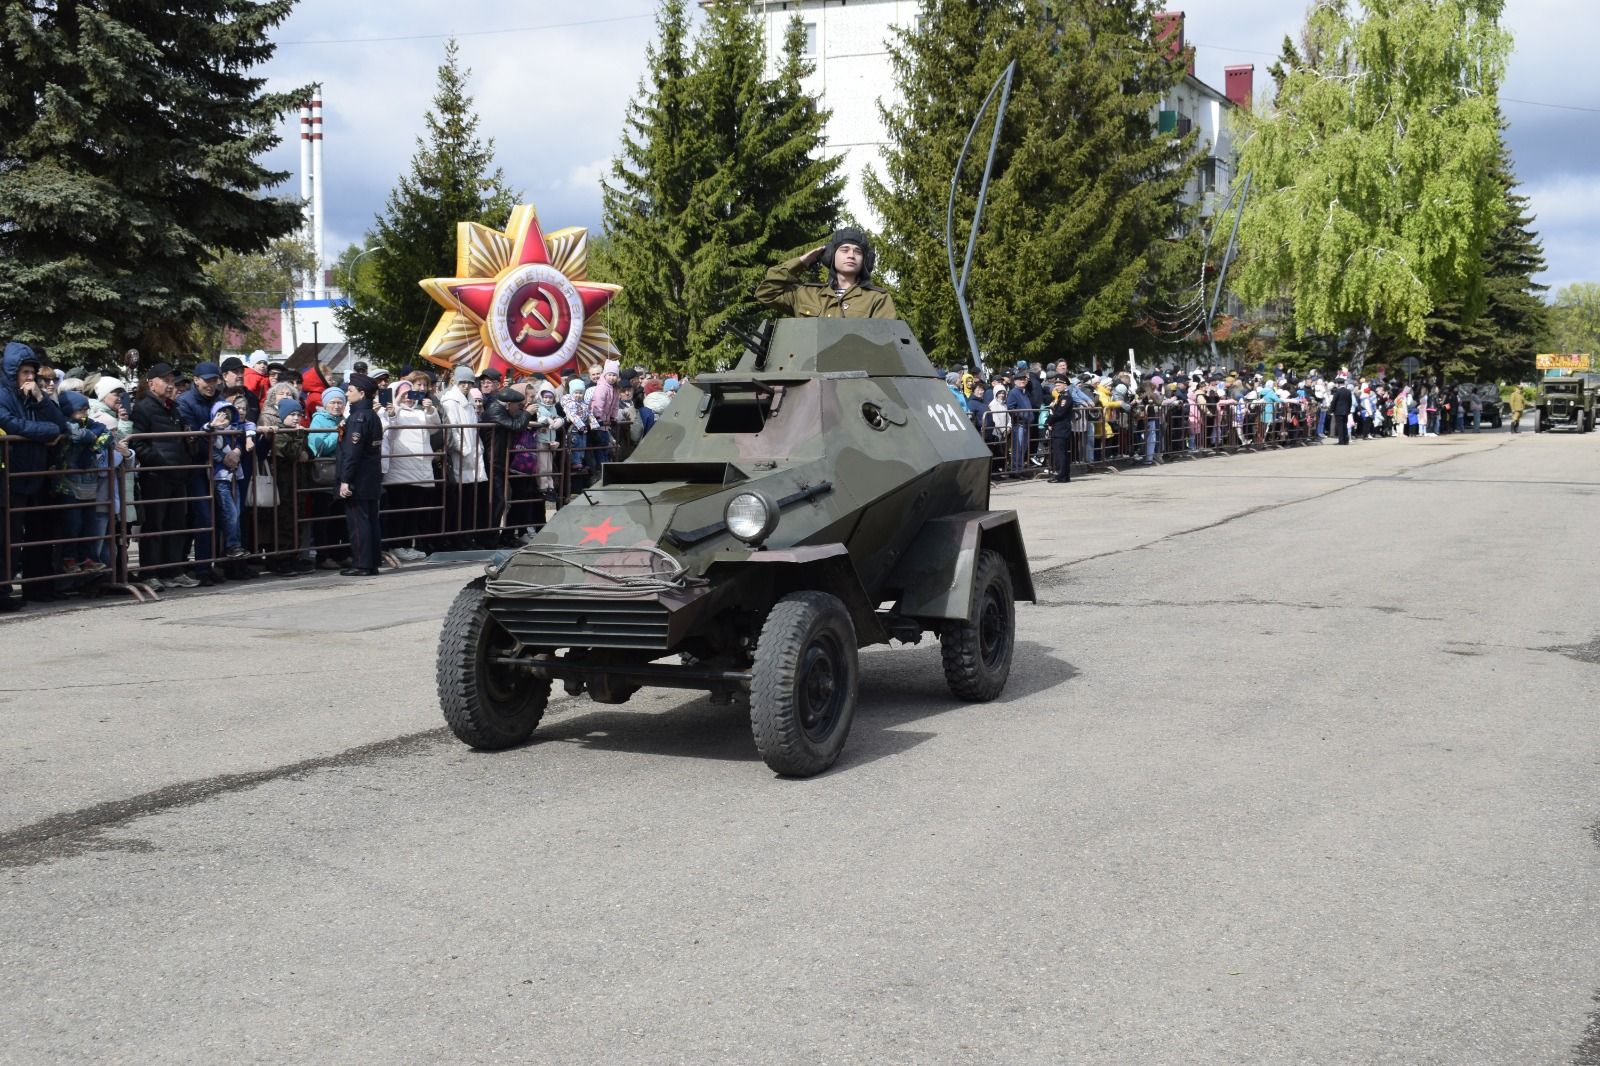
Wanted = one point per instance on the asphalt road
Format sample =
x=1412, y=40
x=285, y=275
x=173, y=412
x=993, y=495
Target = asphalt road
x=1298, y=763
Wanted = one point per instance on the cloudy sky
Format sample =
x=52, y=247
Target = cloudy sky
x=552, y=80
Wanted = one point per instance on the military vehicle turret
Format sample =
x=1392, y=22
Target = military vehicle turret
x=824, y=495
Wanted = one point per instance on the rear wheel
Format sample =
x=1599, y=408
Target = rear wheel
x=977, y=651
x=487, y=705
x=803, y=684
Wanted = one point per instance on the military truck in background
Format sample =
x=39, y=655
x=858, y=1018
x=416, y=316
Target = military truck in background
x=1567, y=402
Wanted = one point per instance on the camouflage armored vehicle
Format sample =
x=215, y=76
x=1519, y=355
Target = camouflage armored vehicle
x=1567, y=402
x=824, y=495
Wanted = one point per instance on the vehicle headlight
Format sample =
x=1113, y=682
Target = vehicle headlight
x=751, y=517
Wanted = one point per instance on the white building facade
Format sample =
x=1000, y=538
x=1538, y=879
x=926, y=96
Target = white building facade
x=848, y=44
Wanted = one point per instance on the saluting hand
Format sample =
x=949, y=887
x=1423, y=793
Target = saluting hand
x=812, y=256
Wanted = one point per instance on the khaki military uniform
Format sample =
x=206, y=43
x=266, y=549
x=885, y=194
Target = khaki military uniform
x=786, y=286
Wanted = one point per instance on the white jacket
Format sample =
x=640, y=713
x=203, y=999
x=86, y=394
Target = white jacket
x=461, y=441
x=998, y=414
x=410, y=454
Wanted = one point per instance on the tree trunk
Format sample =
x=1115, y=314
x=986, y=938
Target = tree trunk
x=1363, y=346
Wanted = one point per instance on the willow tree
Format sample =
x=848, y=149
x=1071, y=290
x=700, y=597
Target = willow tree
x=1376, y=187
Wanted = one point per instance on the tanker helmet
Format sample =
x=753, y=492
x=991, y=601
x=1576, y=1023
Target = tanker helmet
x=850, y=235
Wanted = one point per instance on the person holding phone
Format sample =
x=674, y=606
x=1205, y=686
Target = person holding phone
x=409, y=421
x=1059, y=422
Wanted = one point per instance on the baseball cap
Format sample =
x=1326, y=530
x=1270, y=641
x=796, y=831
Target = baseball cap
x=206, y=371
x=233, y=362
x=160, y=370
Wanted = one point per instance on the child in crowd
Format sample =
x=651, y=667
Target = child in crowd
x=82, y=466
x=232, y=439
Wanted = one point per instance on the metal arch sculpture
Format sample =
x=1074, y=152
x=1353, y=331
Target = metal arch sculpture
x=1002, y=86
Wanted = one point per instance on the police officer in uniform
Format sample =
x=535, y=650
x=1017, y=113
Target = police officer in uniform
x=1343, y=403
x=848, y=292
x=360, y=468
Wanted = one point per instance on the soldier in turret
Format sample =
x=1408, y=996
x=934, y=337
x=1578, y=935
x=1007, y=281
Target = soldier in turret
x=848, y=292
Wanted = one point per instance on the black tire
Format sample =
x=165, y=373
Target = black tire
x=803, y=684
x=486, y=706
x=977, y=652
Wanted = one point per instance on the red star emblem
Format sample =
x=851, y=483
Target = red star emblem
x=520, y=298
x=599, y=534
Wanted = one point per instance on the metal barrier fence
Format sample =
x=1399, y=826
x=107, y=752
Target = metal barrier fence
x=1019, y=440
x=464, y=487
x=126, y=526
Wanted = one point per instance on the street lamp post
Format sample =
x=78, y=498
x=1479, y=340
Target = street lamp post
x=350, y=273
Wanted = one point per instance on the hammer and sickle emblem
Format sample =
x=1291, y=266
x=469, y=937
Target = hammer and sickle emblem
x=531, y=309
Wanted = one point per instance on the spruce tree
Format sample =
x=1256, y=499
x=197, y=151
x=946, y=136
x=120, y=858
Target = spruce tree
x=770, y=193
x=722, y=174
x=1499, y=341
x=452, y=179
x=1516, y=317
x=652, y=178
x=130, y=135
x=1084, y=197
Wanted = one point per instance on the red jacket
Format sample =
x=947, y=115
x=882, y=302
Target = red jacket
x=257, y=383
x=313, y=384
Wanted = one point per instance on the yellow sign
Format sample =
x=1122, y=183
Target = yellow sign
x=1563, y=362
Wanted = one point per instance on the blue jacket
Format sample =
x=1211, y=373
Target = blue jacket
x=360, y=457
x=323, y=445
x=29, y=424
x=1017, y=399
x=977, y=409
x=194, y=410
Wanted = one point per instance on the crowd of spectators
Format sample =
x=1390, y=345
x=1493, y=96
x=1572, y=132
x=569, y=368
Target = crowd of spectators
x=229, y=470
x=1040, y=418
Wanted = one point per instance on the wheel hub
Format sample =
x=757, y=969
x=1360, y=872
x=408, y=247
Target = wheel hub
x=819, y=689
x=992, y=629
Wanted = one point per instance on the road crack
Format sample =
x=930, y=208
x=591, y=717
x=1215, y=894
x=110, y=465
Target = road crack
x=84, y=831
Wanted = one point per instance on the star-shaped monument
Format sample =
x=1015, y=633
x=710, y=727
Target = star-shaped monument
x=520, y=300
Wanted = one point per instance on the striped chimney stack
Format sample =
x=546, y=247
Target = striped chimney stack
x=321, y=285
x=306, y=231
x=314, y=285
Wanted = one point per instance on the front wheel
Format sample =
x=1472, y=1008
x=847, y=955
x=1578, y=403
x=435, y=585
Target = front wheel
x=486, y=704
x=803, y=684
x=977, y=650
